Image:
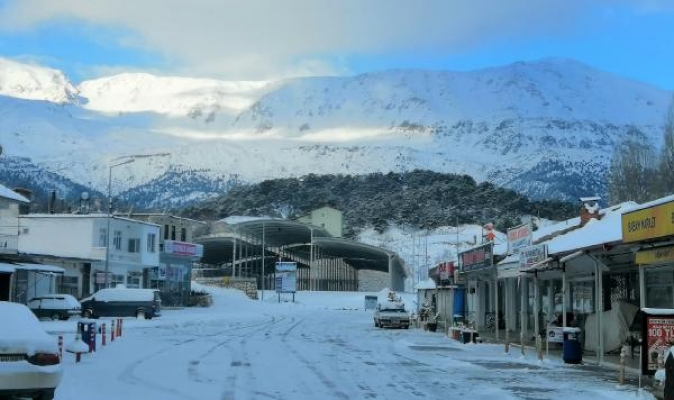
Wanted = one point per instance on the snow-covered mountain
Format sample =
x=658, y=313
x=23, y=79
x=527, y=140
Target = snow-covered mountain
x=546, y=128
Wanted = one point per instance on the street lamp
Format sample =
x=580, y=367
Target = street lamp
x=107, y=247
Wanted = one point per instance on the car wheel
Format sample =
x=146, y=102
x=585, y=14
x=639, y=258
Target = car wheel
x=45, y=395
x=140, y=314
x=56, y=316
x=86, y=314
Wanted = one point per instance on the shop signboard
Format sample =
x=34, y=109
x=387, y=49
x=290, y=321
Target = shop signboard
x=659, y=334
x=531, y=255
x=477, y=258
x=518, y=237
x=659, y=255
x=445, y=270
x=648, y=223
x=183, y=248
x=286, y=277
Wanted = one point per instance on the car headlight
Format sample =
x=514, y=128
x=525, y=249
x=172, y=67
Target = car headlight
x=44, y=359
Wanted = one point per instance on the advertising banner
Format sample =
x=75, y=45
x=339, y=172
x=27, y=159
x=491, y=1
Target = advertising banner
x=518, y=237
x=183, y=248
x=659, y=338
x=286, y=277
x=531, y=255
x=649, y=223
x=477, y=258
x=655, y=256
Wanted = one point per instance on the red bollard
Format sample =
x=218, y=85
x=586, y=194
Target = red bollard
x=112, y=331
x=60, y=347
x=92, y=338
x=103, y=335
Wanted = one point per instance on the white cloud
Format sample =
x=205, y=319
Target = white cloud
x=267, y=39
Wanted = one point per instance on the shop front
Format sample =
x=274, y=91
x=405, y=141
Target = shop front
x=477, y=269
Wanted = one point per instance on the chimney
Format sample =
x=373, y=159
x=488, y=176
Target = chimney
x=51, y=202
x=589, y=209
x=28, y=194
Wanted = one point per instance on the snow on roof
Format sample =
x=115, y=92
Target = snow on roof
x=237, y=219
x=511, y=259
x=92, y=215
x=654, y=203
x=426, y=284
x=595, y=232
x=12, y=195
x=592, y=198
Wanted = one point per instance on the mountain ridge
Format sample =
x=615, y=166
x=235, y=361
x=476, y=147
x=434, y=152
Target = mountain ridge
x=515, y=126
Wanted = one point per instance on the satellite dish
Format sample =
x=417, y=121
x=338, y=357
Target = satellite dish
x=85, y=195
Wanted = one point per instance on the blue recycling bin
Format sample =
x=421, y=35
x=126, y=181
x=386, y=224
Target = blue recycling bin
x=87, y=328
x=572, y=349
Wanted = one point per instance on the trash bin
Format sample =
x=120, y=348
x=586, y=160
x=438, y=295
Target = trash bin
x=87, y=328
x=572, y=349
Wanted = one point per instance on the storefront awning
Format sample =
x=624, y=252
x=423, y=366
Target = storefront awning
x=7, y=268
x=40, y=268
x=539, y=266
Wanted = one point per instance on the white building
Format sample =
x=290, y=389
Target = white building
x=9, y=234
x=77, y=242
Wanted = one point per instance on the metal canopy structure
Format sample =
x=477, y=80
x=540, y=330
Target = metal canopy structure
x=302, y=241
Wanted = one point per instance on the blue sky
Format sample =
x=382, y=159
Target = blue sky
x=231, y=40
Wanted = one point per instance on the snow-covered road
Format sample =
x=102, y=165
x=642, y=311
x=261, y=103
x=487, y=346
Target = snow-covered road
x=322, y=347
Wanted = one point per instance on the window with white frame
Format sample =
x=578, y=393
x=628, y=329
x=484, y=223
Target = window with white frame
x=117, y=240
x=134, y=245
x=151, y=242
x=102, y=237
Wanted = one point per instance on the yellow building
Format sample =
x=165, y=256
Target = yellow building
x=326, y=217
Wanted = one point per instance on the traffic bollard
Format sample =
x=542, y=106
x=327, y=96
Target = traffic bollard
x=103, y=335
x=120, y=327
x=112, y=330
x=92, y=338
x=60, y=347
x=623, y=353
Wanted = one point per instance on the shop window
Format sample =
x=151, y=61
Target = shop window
x=183, y=234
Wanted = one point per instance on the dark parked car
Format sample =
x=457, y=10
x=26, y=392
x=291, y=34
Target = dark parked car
x=122, y=303
x=55, y=306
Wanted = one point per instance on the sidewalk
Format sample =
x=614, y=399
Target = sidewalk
x=608, y=369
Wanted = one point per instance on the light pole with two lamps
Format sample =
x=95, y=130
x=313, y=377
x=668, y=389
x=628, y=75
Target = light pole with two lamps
x=107, y=232
x=129, y=159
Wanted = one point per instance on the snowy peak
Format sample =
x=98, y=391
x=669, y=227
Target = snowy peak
x=31, y=82
x=556, y=89
x=175, y=96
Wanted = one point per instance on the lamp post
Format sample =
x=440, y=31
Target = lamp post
x=127, y=160
x=107, y=246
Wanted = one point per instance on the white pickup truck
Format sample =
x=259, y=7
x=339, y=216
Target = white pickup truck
x=391, y=314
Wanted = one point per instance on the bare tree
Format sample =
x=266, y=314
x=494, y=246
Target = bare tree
x=632, y=173
x=666, y=166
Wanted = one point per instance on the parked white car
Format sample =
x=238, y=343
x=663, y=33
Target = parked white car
x=55, y=306
x=30, y=365
x=391, y=314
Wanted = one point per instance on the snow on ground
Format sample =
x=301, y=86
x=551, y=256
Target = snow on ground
x=323, y=346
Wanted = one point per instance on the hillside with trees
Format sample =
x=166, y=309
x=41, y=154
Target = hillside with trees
x=420, y=199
